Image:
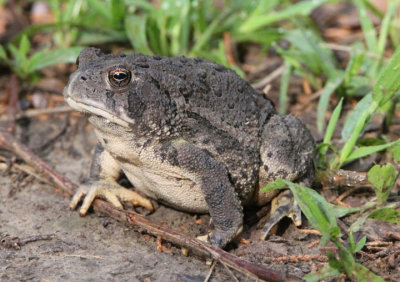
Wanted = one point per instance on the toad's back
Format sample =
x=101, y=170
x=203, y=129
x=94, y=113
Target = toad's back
x=213, y=92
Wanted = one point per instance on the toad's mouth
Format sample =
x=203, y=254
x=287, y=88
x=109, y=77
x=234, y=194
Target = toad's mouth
x=93, y=110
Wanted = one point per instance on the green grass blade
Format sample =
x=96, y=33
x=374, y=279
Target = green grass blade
x=388, y=80
x=72, y=11
x=284, y=88
x=386, y=87
x=314, y=207
x=264, y=8
x=332, y=122
x=352, y=119
x=17, y=61
x=41, y=60
x=308, y=52
x=325, y=272
x=3, y=54
x=386, y=214
x=205, y=37
x=383, y=178
x=144, y=5
x=328, y=134
x=330, y=86
x=354, y=65
x=101, y=8
x=135, y=28
x=184, y=35
x=368, y=150
x=302, y=8
x=24, y=46
x=383, y=34
x=117, y=12
x=367, y=26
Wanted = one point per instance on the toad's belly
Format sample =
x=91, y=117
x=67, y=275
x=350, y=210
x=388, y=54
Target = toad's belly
x=173, y=190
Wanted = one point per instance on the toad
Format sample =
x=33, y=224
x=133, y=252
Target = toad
x=188, y=133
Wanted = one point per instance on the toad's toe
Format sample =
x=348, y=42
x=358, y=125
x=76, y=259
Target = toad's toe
x=281, y=206
x=111, y=192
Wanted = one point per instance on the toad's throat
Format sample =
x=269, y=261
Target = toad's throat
x=92, y=109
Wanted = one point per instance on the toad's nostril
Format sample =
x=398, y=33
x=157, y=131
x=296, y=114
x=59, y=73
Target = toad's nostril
x=83, y=78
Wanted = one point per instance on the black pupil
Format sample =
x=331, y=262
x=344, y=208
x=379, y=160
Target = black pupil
x=120, y=76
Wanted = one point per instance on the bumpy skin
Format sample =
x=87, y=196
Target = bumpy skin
x=188, y=133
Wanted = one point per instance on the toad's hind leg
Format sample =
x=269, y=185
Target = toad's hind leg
x=287, y=152
x=104, y=174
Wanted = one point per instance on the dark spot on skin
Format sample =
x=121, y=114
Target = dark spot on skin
x=266, y=168
x=141, y=59
x=164, y=151
x=96, y=168
x=282, y=173
x=156, y=83
x=203, y=75
x=136, y=106
x=178, y=65
x=99, y=149
x=269, y=155
x=216, y=239
x=105, y=141
x=244, y=175
x=121, y=159
x=146, y=144
x=110, y=101
x=143, y=65
x=209, y=162
x=225, y=224
x=173, y=156
x=215, y=197
x=167, y=93
x=217, y=92
x=184, y=91
x=219, y=68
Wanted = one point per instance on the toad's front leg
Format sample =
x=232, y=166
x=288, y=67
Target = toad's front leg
x=223, y=202
x=104, y=174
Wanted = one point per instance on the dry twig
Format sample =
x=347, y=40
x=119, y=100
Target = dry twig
x=214, y=263
x=339, y=177
x=269, y=78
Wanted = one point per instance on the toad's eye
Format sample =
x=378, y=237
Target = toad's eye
x=119, y=77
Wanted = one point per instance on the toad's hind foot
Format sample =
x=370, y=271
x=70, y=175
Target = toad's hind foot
x=281, y=206
x=111, y=192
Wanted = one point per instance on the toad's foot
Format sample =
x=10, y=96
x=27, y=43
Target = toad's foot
x=111, y=192
x=219, y=238
x=281, y=206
